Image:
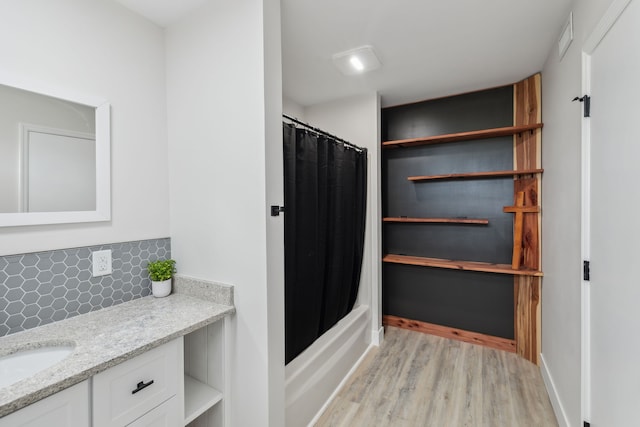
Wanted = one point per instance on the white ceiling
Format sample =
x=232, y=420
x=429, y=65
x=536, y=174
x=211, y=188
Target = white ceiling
x=428, y=48
x=162, y=12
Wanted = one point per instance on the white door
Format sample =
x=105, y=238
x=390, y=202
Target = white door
x=615, y=218
x=59, y=171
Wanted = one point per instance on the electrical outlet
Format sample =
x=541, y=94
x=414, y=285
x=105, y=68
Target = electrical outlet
x=101, y=262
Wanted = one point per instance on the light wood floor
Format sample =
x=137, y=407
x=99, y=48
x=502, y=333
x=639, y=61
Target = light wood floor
x=416, y=379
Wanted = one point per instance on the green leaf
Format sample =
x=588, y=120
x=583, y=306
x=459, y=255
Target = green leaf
x=161, y=270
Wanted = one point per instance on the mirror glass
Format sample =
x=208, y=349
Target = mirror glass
x=54, y=157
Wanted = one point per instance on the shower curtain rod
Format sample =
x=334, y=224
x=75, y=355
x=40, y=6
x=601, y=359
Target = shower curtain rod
x=320, y=131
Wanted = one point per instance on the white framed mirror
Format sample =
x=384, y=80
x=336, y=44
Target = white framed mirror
x=55, y=151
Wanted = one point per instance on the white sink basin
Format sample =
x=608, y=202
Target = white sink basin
x=25, y=363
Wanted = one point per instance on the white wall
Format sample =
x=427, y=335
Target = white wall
x=220, y=107
x=561, y=226
x=101, y=49
x=274, y=186
x=356, y=119
x=292, y=109
x=319, y=370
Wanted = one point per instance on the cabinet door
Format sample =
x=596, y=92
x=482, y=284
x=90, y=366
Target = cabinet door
x=127, y=391
x=68, y=408
x=165, y=415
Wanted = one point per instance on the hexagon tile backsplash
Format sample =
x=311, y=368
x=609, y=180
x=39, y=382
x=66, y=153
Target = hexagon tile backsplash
x=40, y=288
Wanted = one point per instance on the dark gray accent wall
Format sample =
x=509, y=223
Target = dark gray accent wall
x=479, y=302
x=43, y=287
x=462, y=113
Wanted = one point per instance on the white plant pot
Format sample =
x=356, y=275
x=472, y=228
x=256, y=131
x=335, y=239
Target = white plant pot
x=161, y=289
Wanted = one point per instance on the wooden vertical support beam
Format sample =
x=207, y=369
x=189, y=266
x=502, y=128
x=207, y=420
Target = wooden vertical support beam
x=527, y=155
x=531, y=223
x=518, y=224
x=527, y=326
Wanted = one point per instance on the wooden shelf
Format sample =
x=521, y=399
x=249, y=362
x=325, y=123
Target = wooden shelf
x=198, y=398
x=462, y=136
x=459, y=265
x=404, y=219
x=471, y=175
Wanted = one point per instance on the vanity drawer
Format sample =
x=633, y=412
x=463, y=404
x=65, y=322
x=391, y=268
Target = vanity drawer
x=127, y=391
x=165, y=415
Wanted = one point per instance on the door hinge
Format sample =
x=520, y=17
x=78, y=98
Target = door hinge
x=586, y=270
x=587, y=104
x=275, y=210
x=586, y=424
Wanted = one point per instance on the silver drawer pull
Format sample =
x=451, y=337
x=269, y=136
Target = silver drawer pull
x=141, y=385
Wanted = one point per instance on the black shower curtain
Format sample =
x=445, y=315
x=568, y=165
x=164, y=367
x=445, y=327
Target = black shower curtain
x=325, y=199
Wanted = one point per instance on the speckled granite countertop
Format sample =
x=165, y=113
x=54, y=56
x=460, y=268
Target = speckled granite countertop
x=110, y=336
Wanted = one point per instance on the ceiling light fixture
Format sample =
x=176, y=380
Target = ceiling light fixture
x=356, y=61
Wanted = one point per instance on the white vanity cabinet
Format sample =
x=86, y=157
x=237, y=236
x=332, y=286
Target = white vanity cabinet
x=181, y=382
x=67, y=408
x=176, y=384
x=205, y=381
x=128, y=391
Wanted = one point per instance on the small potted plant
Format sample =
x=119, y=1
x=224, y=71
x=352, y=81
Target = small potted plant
x=160, y=273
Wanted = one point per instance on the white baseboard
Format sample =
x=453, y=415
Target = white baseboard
x=377, y=337
x=558, y=409
x=339, y=387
